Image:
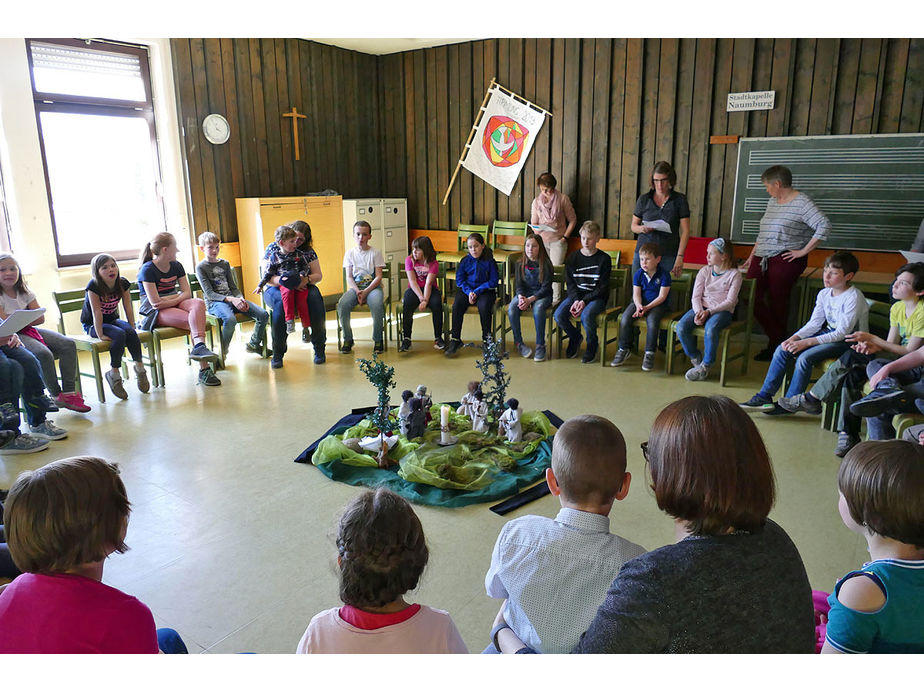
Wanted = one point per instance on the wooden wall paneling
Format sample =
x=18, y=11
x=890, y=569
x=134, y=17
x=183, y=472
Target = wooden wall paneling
x=742, y=72
x=440, y=131
x=667, y=101
x=802, y=88
x=700, y=130
x=890, y=111
x=761, y=81
x=286, y=162
x=490, y=194
x=912, y=119
x=526, y=184
x=184, y=70
x=781, y=80
x=410, y=123
x=649, y=124
x=454, y=144
x=585, y=134
x=846, y=88
x=226, y=227
x=362, y=180
x=309, y=60
x=614, y=221
x=832, y=84
x=399, y=164
x=294, y=86
x=557, y=129
x=542, y=90
x=367, y=126
x=430, y=136
x=880, y=81
x=259, y=120
x=515, y=78
x=328, y=90
x=419, y=138
x=502, y=71
x=568, y=179
x=479, y=85
x=867, y=81
x=390, y=129
x=823, y=80
x=716, y=160
x=272, y=116
x=681, y=125
x=236, y=142
x=244, y=121
x=466, y=116
x=631, y=175
x=599, y=159
x=207, y=150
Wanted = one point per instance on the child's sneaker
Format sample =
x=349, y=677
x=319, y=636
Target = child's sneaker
x=405, y=344
x=573, y=346
x=756, y=402
x=590, y=355
x=523, y=350
x=114, y=378
x=48, y=431
x=648, y=361
x=200, y=352
x=22, y=444
x=207, y=377
x=540, y=353
x=798, y=403
x=44, y=402
x=845, y=442
x=141, y=379
x=306, y=335
x=378, y=348
x=347, y=346
x=620, y=357
x=72, y=401
x=290, y=326
x=454, y=346
x=319, y=356
x=438, y=343
x=9, y=415
x=698, y=372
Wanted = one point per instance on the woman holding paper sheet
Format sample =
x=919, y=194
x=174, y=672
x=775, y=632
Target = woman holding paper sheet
x=553, y=209
x=662, y=216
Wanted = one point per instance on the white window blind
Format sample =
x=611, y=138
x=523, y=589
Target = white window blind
x=87, y=71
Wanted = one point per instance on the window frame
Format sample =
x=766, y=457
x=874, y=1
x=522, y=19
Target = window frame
x=96, y=105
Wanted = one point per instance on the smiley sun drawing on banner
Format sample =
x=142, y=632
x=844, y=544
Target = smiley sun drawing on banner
x=504, y=140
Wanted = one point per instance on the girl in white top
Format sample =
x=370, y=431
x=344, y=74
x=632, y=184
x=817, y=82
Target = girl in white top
x=363, y=265
x=381, y=553
x=715, y=295
x=45, y=345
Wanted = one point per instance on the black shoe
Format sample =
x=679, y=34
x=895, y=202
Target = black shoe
x=845, y=441
x=306, y=335
x=257, y=349
x=590, y=355
x=276, y=363
x=764, y=354
x=208, y=377
x=883, y=401
x=573, y=345
x=777, y=410
x=43, y=402
x=347, y=347
x=454, y=346
x=438, y=343
x=378, y=348
x=319, y=356
x=405, y=344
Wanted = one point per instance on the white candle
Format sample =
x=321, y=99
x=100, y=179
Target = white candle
x=444, y=416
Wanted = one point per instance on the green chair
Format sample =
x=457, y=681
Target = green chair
x=504, y=249
x=387, y=305
x=462, y=234
x=214, y=323
x=72, y=301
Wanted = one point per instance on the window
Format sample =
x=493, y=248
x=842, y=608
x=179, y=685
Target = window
x=95, y=120
x=4, y=220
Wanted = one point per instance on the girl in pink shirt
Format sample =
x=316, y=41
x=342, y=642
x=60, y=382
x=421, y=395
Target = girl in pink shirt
x=381, y=552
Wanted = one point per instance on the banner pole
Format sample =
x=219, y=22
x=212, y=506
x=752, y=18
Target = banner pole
x=468, y=142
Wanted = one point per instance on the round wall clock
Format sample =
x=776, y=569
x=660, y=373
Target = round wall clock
x=216, y=129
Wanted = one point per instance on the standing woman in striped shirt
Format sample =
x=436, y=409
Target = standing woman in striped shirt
x=790, y=229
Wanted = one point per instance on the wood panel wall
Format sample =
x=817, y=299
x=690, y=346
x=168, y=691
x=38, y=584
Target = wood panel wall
x=394, y=126
x=252, y=82
x=619, y=105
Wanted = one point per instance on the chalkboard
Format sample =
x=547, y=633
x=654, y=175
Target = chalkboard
x=871, y=187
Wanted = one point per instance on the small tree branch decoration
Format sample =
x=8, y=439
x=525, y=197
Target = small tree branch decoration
x=381, y=375
x=494, y=379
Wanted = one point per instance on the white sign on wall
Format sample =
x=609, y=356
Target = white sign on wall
x=751, y=101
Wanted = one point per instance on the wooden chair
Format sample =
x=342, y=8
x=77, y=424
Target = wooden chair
x=387, y=301
x=504, y=249
x=614, y=303
x=72, y=301
x=462, y=234
x=743, y=324
x=214, y=323
x=160, y=334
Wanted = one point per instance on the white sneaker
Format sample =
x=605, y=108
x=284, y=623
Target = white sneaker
x=22, y=444
x=48, y=431
x=699, y=372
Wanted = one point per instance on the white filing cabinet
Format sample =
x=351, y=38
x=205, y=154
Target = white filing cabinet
x=388, y=219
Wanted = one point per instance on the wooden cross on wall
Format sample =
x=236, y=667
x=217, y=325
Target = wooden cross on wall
x=294, y=115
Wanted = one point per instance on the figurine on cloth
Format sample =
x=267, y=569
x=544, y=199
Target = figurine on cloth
x=468, y=399
x=509, y=421
x=479, y=413
x=416, y=421
x=425, y=401
x=404, y=411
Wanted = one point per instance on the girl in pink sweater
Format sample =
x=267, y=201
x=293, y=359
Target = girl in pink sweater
x=381, y=552
x=715, y=295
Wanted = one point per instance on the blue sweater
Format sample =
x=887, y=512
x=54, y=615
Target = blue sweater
x=476, y=275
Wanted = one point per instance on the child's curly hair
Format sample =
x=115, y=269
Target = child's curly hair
x=382, y=549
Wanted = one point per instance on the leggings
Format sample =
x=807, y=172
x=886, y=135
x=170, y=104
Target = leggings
x=186, y=315
x=56, y=346
x=25, y=378
x=121, y=335
x=485, y=303
x=412, y=303
x=295, y=299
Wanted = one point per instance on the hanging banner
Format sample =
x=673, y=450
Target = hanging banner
x=503, y=139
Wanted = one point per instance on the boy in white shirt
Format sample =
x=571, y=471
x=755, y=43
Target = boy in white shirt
x=840, y=309
x=363, y=265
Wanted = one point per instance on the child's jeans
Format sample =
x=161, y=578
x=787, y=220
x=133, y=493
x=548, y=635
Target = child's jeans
x=55, y=346
x=32, y=384
x=652, y=322
x=375, y=299
x=880, y=427
x=412, y=303
x=713, y=328
x=226, y=311
x=539, y=308
x=121, y=335
x=805, y=361
x=588, y=319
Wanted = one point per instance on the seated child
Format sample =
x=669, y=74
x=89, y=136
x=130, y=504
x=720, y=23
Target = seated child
x=533, y=292
x=587, y=275
x=363, y=265
x=880, y=608
x=62, y=521
x=845, y=378
x=898, y=388
x=422, y=291
x=381, y=553
x=476, y=285
x=291, y=265
x=222, y=297
x=651, y=286
x=21, y=377
x=840, y=309
x=554, y=574
x=715, y=295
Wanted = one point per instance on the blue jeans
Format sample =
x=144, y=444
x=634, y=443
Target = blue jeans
x=121, y=335
x=539, y=308
x=225, y=312
x=170, y=642
x=805, y=360
x=880, y=427
x=652, y=325
x=316, y=311
x=33, y=386
x=375, y=299
x=588, y=319
x=714, y=326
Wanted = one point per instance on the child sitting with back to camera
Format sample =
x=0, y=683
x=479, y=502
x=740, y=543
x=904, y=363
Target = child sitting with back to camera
x=381, y=553
x=651, y=286
x=554, y=574
x=715, y=295
x=292, y=267
x=880, y=608
x=840, y=309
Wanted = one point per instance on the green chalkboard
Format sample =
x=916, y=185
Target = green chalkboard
x=871, y=187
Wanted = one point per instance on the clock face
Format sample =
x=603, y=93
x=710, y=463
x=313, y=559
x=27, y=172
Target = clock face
x=216, y=129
